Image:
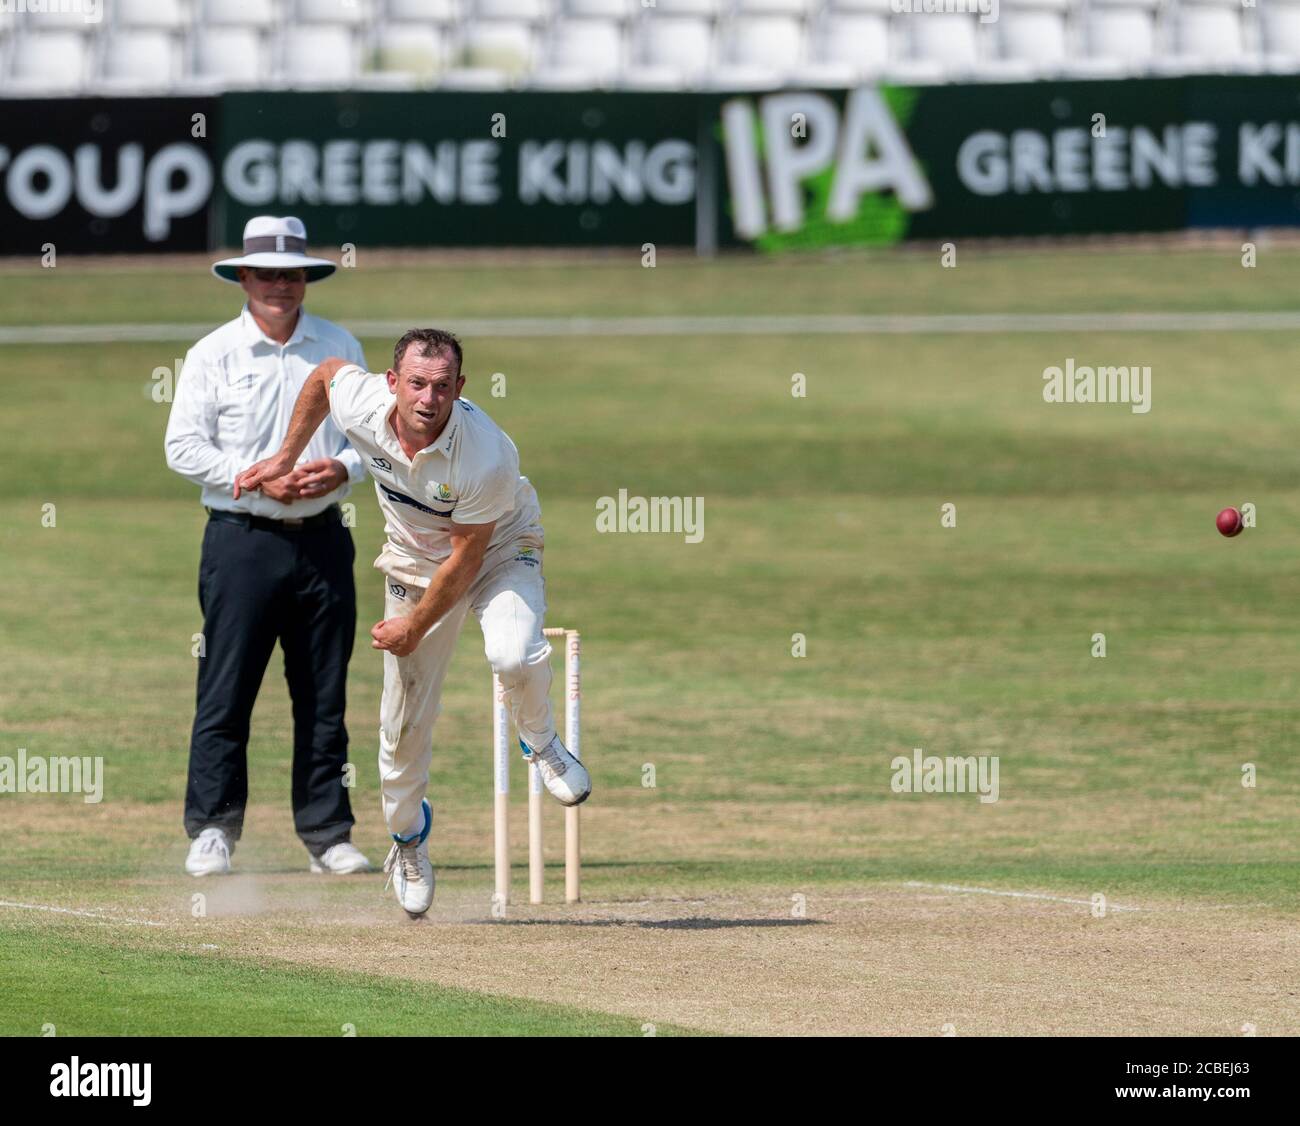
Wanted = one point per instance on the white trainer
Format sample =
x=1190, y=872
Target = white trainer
x=209, y=854
x=564, y=775
x=341, y=859
x=409, y=869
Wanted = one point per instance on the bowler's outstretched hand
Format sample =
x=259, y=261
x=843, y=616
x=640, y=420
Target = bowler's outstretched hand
x=269, y=469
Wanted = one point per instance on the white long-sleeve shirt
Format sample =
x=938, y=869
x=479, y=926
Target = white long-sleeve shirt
x=233, y=402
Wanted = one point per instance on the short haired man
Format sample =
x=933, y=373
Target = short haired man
x=277, y=565
x=464, y=534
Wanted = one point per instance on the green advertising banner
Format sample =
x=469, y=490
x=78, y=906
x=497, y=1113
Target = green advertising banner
x=463, y=169
x=878, y=165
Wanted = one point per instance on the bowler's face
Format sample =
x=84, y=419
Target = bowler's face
x=426, y=387
x=275, y=292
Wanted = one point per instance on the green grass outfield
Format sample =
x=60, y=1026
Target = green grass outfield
x=822, y=517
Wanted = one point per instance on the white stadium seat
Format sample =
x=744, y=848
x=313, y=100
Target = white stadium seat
x=346, y=13
x=139, y=61
x=415, y=50
x=947, y=39
x=230, y=56
x=771, y=42
x=1126, y=34
x=1034, y=35
x=317, y=56
x=593, y=46
x=507, y=48
x=800, y=8
x=238, y=13
x=1210, y=33
x=674, y=8
x=860, y=39
x=601, y=9
x=680, y=44
x=425, y=11
x=170, y=15
x=49, y=62
x=516, y=11
x=1281, y=30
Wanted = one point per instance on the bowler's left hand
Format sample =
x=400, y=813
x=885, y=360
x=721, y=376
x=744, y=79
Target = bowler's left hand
x=396, y=636
x=316, y=478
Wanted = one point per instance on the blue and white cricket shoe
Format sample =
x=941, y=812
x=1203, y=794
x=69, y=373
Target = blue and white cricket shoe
x=564, y=775
x=409, y=870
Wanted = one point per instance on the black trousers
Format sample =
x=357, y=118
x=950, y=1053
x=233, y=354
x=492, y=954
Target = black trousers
x=258, y=585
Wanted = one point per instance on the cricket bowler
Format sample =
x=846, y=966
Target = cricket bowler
x=464, y=534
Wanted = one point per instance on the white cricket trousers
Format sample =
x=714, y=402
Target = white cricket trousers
x=509, y=600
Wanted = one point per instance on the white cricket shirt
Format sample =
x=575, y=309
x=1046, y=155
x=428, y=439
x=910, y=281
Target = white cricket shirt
x=470, y=475
x=233, y=402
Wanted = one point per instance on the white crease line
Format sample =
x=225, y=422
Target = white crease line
x=100, y=916
x=1016, y=895
x=885, y=324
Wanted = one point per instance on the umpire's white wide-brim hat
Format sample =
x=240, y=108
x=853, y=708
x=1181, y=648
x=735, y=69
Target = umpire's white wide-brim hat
x=270, y=242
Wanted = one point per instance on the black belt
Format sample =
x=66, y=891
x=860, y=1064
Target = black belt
x=331, y=515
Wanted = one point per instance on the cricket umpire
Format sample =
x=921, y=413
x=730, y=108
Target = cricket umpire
x=275, y=564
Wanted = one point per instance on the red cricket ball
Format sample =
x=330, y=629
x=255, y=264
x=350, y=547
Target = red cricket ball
x=1229, y=522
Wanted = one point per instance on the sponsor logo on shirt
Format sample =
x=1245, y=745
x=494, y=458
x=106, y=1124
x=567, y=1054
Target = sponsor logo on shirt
x=527, y=556
x=399, y=591
x=402, y=498
x=382, y=463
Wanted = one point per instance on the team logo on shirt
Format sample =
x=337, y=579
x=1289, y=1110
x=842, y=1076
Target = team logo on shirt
x=442, y=492
x=382, y=463
x=527, y=556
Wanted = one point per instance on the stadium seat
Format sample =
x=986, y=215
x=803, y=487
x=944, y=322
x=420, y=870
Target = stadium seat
x=317, y=57
x=230, y=57
x=948, y=40
x=169, y=15
x=346, y=13
x=238, y=13
x=682, y=45
x=425, y=11
x=516, y=11
x=1034, y=35
x=506, y=48
x=772, y=42
x=601, y=9
x=415, y=51
x=1208, y=33
x=49, y=62
x=858, y=39
x=136, y=61
x=591, y=46
x=674, y=8
x=1124, y=34
x=1280, y=27
x=799, y=8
